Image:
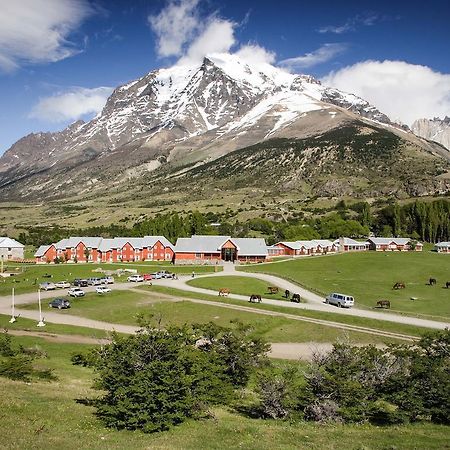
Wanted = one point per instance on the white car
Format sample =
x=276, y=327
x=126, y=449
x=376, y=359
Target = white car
x=108, y=280
x=76, y=292
x=135, y=278
x=341, y=300
x=62, y=284
x=102, y=289
x=47, y=286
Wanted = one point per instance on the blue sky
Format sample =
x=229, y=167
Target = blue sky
x=60, y=58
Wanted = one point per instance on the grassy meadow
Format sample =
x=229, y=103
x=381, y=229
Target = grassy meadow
x=46, y=415
x=237, y=285
x=123, y=307
x=369, y=277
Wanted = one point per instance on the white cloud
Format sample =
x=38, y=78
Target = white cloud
x=71, y=105
x=217, y=37
x=174, y=26
x=37, y=31
x=256, y=54
x=319, y=56
x=351, y=24
x=401, y=90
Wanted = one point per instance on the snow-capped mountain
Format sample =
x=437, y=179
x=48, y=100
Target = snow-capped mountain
x=437, y=130
x=177, y=117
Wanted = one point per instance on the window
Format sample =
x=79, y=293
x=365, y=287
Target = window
x=198, y=255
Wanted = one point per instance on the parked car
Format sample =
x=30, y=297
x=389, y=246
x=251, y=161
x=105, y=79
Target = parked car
x=107, y=280
x=47, y=286
x=147, y=277
x=60, y=303
x=94, y=281
x=76, y=292
x=62, y=284
x=135, y=278
x=341, y=300
x=80, y=282
x=164, y=274
x=102, y=289
x=156, y=276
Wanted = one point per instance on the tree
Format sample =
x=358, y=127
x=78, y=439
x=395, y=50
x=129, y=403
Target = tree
x=159, y=378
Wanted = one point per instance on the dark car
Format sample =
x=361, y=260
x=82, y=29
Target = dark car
x=80, y=282
x=60, y=303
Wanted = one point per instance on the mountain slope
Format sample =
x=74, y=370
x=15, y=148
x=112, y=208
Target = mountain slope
x=437, y=130
x=178, y=117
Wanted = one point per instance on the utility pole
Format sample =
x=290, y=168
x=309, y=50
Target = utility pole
x=13, y=312
x=41, y=321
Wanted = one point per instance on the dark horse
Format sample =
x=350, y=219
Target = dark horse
x=255, y=298
x=383, y=304
x=295, y=298
x=432, y=281
x=447, y=285
x=286, y=294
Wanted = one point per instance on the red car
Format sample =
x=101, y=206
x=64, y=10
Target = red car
x=147, y=276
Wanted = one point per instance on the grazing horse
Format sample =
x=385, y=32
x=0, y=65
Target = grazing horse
x=224, y=292
x=384, y=304
x=286, y=294
x=272, y=290
x=295, y=298
x=399, y=285
x=447, y=285
x=432, y=281
x=255, y=298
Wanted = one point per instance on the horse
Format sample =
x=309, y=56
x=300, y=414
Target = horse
x=224, y=292
x=296, y=298
x=399, y=285
x=255, y=298
x=384, y=304
x=447, y=285
x=432, y=281
x=286, y=293
x=272, y=289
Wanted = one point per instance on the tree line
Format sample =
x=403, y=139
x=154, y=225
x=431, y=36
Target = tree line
x=160, y=378
x=420, y=220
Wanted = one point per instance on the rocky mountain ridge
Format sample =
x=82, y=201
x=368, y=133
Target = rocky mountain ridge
x=436, y=129
x=179, y=117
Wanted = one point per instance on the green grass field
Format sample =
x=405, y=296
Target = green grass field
x=410, y=330
x=123, y=307
x=42, y=415
x=237, y=285
x=29, y=276
x=369, y=277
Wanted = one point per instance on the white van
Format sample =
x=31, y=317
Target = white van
x=341, y=300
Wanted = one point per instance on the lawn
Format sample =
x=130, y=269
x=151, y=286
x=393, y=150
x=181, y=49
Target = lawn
x=375, y=324
x=50, y=328
x=237, y=285
x=29, y=276
x=42, y=415
x=369, y=277
x=123, y=307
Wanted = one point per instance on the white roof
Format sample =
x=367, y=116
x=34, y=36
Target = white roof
x=213, y=244
x=323, y=242
x=41, y=250
x=389, y=240
x=349, y=241
x=443, y=244
x=6, y=242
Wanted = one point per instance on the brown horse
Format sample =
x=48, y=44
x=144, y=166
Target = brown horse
x=224, y=292
x=399, y=285
x=296, y=298
x=255, y=298
x=384, y=304
x=272, y=289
